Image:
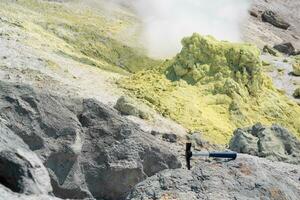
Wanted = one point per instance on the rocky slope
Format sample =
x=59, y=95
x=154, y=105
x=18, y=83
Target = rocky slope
x=261, y=32
x=62, y=138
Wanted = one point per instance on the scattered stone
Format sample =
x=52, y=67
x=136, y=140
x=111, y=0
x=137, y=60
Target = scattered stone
x=296, y=68
x=247, y=177
x=296, y=53
x=270, y=50
x=197, y=140
x=128, y=106
x=286, y=48
x=155, y=133
x=170, y=137
x=265, y=63
x=274, y=19
x=253, y=13
x=274, y=143
x=297, y=93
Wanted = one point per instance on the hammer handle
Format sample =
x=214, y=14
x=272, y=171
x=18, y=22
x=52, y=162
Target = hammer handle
x=231, y=155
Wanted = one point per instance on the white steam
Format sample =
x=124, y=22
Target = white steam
x=166, y=22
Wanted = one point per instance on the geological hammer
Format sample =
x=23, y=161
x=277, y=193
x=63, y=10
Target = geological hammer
x=189, y=154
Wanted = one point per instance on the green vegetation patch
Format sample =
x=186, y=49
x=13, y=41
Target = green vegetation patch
x=214, y=87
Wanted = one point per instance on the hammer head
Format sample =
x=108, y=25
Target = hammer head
x=188, y=155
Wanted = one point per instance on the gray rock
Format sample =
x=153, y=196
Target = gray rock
x=22, y=173
x=274, y=19
x=7, y=194
x=20, y=169
x=117, y=154
x=170, y=137
x=286, y=48
x=89, y=150
x=128, y=106
x=297, y=93
x=246, y=178
x=274, y=143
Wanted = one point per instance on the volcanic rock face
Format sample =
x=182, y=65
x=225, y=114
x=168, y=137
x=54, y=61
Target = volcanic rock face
x=21, y=171
x=89, y=150
x=247, y=177
x=274, y=143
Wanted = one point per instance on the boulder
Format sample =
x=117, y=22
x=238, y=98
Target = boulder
x=90, y=150
x=128, y=106
x=274, y=19
x=274, y=143
x=170, y=137
x=297, y=93
x=22, y=173
x=117, y=154
x=247, y=177
x=286, y=48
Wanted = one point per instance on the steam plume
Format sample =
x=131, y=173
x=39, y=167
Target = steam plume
x=166, y=22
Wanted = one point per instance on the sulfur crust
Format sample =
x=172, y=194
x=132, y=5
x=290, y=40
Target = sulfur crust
x=214, y=87
x=83, y=34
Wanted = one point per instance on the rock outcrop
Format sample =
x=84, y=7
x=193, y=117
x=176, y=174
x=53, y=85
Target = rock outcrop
x=274, y=19
x=22, y=173
x=247, y=177
x=89, y=150
x=274, y=143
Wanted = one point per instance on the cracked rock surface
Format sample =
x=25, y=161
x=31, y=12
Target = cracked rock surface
x=247, y=178
x=89, y=150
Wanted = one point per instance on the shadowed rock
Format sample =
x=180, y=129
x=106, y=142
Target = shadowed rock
x=21, y=171
x=274, y=19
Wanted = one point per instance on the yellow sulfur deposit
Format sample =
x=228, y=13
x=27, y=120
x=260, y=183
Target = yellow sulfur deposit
x=214, y=87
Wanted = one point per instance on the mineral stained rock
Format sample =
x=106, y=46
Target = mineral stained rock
x=274, y=19
x=204, y=56
x=89, y=150
x=247, y=177
x=274, y=143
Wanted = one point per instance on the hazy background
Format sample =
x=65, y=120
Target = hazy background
x=166, y=22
